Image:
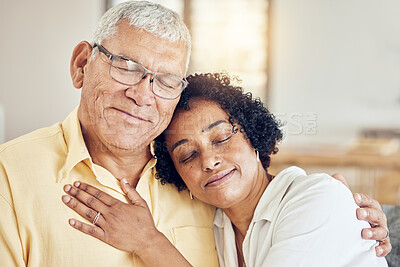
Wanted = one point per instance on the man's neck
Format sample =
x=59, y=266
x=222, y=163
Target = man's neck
x=121, y=163
x=123, y=166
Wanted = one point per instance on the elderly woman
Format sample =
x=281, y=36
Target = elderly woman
x=218, y=147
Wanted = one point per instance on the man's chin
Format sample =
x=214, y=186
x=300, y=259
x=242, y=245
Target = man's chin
x=129, y=142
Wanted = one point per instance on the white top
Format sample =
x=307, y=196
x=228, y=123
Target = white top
x=300, y=220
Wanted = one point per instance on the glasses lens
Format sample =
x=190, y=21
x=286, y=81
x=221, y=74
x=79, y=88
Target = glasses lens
x=126, y=71
x=167, y=86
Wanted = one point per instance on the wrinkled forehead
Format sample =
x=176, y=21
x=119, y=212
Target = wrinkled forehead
x=155, y=53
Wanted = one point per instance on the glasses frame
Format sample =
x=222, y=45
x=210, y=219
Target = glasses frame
x=146, y=71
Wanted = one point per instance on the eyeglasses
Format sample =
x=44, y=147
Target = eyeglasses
x=128, y=72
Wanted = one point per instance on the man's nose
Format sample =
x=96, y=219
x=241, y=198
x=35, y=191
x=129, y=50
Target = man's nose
x=142, y=92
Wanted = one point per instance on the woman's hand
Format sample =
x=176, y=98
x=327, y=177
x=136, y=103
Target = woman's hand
x=372, y=212
x=127, y=227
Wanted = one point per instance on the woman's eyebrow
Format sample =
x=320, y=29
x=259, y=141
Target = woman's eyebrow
x=212, y=125
x=181, y=142
x=209, y=127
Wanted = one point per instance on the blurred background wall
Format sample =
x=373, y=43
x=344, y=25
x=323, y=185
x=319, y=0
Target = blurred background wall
x=37, y=40
x=339, y=60
x=330, y=70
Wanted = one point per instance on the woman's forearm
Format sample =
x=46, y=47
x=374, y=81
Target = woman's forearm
x=160, y=252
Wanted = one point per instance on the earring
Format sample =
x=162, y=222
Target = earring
x=258, y=156
x=190, y=194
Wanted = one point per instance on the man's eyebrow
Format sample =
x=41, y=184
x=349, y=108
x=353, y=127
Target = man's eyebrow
x=140, y=63
x=128, y=58
x=212, y=125
x=181, y=142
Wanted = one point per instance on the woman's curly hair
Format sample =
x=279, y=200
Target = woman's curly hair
x=258, y=124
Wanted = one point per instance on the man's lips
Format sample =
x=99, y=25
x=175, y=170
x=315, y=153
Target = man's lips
x=131, y=115
x=220, y=177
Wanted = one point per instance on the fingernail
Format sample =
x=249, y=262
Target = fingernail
x=380, y=251
x=363, y=213
x=72, y=222
x=124, y=181
x=77, y=184
x=66, y=199
x=67, y=188
x=368, y=233
x=358, y=197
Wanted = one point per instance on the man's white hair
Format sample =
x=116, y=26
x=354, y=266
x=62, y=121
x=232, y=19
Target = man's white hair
x=151, y=17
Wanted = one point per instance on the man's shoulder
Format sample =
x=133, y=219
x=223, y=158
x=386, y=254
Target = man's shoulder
x=37, y=138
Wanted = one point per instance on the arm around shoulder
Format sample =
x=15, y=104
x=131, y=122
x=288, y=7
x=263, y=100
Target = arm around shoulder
x=317, y=226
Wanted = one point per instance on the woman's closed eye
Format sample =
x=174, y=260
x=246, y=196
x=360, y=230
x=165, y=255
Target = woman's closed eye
x=222, y=140
x=188, y=157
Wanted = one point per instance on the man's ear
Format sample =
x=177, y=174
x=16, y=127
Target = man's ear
x=79, y=59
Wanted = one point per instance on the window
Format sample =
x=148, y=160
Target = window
x=229, y=36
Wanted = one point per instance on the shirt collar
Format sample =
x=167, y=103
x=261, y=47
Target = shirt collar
x=219, y=219
x=78, y=152
x=152, y=162
x=76, y=147
x=272, y=196
x=274, y=193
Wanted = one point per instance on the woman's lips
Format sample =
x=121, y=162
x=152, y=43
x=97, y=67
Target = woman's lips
x=220, y=178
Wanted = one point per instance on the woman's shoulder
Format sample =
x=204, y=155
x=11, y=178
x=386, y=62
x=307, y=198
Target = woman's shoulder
x=317, y=203
x=317, y=213
x=298, y=182
x=293, y=191
x=314, y=194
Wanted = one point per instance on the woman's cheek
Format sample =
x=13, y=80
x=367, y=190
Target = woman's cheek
x=185, y=171
x=191, y=174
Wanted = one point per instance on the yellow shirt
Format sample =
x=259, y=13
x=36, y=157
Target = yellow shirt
x=34, y=228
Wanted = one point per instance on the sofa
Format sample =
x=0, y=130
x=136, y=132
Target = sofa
x=393, y=217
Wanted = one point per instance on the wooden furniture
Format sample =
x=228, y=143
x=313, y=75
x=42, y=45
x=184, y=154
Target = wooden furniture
x=372, y=173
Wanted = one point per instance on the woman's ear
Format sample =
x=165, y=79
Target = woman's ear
x=79, y=59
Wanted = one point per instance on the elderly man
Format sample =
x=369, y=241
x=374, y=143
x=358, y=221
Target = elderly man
x=131, y=77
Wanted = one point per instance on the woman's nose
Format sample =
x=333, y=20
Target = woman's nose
x=211, y=161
